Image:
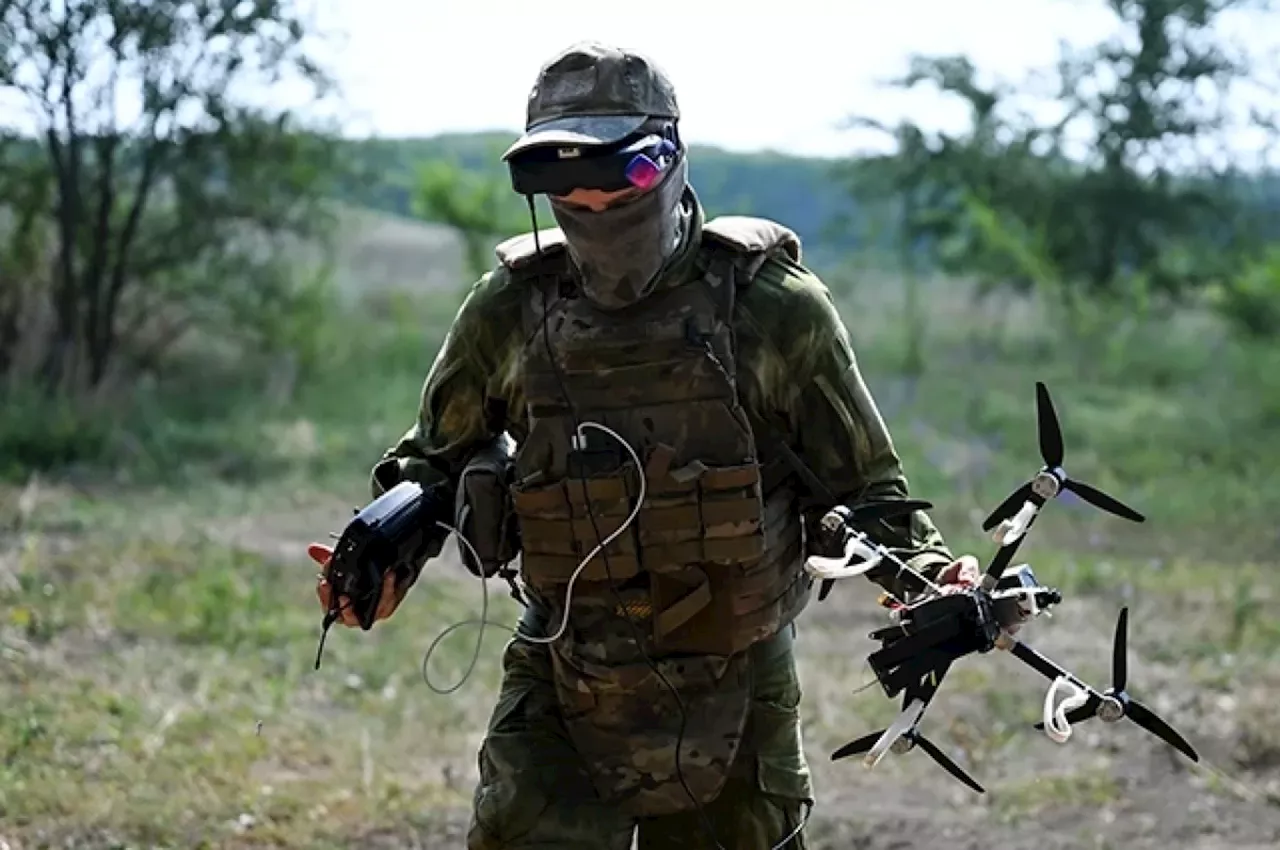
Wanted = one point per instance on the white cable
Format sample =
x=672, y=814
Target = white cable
x=564, y=622
x=582, y=565
x=1056, y=725
x=482, y=621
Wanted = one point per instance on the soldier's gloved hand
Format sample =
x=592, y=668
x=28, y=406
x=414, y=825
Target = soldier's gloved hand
x=960, y=575
x=391, y=594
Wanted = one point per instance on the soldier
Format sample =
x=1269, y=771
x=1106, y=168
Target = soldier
x=640, y=347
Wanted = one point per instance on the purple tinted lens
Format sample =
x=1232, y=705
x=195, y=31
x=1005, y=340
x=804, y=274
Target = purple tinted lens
x=643, y=172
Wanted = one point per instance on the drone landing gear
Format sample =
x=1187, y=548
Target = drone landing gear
x=1110, y=705
x=854, y=553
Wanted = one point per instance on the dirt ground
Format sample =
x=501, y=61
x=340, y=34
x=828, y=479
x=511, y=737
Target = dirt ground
x=1109, y=786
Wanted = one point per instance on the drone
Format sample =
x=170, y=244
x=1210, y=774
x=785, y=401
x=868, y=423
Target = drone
x=938, y=627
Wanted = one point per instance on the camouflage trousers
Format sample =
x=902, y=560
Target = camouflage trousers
x=534, y=791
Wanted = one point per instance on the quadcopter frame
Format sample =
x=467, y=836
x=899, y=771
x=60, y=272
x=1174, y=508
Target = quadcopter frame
x=938, y=628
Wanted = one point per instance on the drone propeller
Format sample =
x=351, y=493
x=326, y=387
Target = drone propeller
x=886, y=508
x=1052, y=453
x=1115, y=702
x=911, y=738
x=1052, y=449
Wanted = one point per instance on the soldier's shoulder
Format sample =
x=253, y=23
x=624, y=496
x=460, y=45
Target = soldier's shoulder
x=773, y=255
x=492, y=288
x=516, y=256
x=494, y=301
x=752, y=236
x=525, y=250
x=785, y=292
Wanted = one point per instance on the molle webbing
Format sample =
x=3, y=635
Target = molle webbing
x=720, y=560
x=712, y=563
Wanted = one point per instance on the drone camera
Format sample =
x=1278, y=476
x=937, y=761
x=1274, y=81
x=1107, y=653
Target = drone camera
x=1017, y=577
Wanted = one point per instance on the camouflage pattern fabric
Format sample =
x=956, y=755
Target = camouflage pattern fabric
x=536, y=792
x=798, y=378
x=592, y=94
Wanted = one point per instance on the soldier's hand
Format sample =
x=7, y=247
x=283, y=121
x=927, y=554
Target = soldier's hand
x=964, y=573
x=391, y=594
x=960, y=575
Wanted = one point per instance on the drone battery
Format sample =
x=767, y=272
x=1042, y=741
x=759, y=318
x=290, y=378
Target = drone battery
x=893, y=679
x=915, y=641
x=939, y=630
x=916, y=673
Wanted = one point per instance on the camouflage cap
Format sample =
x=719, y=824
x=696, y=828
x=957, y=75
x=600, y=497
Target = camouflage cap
x=594, y=94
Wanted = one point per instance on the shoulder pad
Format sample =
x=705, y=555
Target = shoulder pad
x=519, y=251
x=751, y=235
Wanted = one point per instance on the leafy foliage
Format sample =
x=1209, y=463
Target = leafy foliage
x=479, y=206
x=163, y=219
x=1123, y=195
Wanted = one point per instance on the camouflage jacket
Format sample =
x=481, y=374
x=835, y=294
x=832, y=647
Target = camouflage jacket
x=798, y=377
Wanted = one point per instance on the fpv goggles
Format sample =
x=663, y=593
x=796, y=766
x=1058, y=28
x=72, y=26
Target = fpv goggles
x=555, y=170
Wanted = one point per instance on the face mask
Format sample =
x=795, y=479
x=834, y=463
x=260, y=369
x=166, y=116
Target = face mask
x=622, y=251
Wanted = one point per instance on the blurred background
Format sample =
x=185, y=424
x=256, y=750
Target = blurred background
x=233, y=235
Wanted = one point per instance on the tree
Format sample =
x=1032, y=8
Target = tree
x=478, y=205
x=169, y=193
x=1123, y=192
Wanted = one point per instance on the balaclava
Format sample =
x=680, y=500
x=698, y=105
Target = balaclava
x=622, y=252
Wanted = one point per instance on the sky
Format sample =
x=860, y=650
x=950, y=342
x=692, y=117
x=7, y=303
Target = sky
x=750, y=75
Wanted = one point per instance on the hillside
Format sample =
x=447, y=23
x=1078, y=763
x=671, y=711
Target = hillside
x=380, y=243
x=379, y=251
x=801, y=192
x=818, y=198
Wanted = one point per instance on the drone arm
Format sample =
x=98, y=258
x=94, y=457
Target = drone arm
x=843, y=547
x=1036, y=660
x=1044, y=665
x=1004, y=556
x=1057, y=720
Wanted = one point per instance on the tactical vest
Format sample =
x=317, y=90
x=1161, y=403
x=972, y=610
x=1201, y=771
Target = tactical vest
x=712, y=562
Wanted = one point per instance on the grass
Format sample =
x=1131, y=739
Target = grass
x=158, y=623
x=177, y=677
